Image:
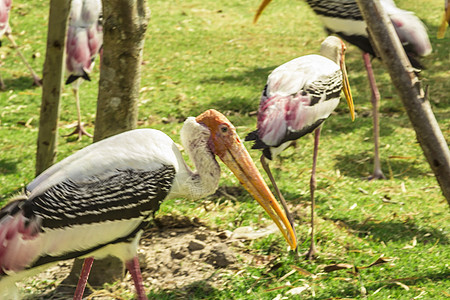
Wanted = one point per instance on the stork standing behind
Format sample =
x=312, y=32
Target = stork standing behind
x=298, y=97
x=97, y=201
x=5, y=29
x=84, y=41
x=445, y=21
x=343, y=18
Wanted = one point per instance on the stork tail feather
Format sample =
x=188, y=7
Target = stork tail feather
x=72, y=77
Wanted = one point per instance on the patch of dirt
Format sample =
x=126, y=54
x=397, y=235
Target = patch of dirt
x=176, y=253
x=181, y=252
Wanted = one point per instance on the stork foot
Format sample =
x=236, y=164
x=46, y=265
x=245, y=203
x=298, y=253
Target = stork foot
x=79, y=129
x=37, y=81
x=311, y=254
x=377, y=174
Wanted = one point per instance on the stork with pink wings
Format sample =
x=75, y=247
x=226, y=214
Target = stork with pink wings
x=5, y=30
x=343, y=18
x=84, y=42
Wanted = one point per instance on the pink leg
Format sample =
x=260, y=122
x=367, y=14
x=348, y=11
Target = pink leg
x=83, y=278
x=377, y=172
x=80, y=128
x=312, y=186
x=135, y=271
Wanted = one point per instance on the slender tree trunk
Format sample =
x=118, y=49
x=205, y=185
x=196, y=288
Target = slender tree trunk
x=414, y=99
x=52, y=83
x=124, y=27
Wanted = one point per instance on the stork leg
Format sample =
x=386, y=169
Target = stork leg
x=36, y=80
x=135, y=271
x=377, y=172
x=312, y=187
x=79, y=129
x=277, y=190
x=2, y=84
x=87, y=265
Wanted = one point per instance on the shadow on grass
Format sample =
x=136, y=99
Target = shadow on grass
x=392, y=284
x=394, y=231
x=359, y=165
x=20, y=83
x=8, y=166
x=255, y=77
x=196, y=290
x=236, y=104
x=61, y=292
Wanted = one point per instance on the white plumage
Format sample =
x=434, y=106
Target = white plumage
x=97, y=201
x=298, y=97
x=343, y=18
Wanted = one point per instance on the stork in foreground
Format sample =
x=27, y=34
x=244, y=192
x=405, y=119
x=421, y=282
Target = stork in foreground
x=343, y=18
x=5, y=29
x=298, y=97
x=84, y=41
x=97, y=201
x=445, y=21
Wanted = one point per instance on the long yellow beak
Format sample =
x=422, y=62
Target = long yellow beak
x=240, y=163
x=261, y=7
x=346, y=88
x=444, y=23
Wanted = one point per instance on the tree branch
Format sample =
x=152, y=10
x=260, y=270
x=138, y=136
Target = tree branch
x=417, y=106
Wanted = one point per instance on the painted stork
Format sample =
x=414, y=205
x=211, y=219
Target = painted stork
x=298, y=97
x=5, y=29
x=97, y=201
x=343, y=18
x=84, y=41
x=445, y=21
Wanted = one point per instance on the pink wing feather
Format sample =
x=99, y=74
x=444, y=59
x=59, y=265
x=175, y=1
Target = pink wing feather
x=19, y=240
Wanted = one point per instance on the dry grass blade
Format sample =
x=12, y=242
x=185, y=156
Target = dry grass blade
x=379, y=261
x=298, y=290
x=336, y=267
x=286, y=275
x=277, y=288
x=402, y=285
x=302, y=271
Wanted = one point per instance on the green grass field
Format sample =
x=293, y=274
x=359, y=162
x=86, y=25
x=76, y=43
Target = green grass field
x=203, y=54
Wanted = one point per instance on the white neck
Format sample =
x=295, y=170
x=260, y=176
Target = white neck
x=205, y=180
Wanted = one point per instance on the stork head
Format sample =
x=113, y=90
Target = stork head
x=334, y=49
x=226, y=144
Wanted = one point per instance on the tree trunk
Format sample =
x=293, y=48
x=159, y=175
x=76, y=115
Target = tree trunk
x=428, y=133
x=52, y=84
x=124, y=27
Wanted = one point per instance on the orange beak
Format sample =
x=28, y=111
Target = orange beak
x=235, y=156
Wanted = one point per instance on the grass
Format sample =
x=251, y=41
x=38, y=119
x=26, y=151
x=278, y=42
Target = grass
x=207, y=54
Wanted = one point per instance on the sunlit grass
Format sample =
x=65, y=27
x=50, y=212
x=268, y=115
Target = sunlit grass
x=208, y=54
